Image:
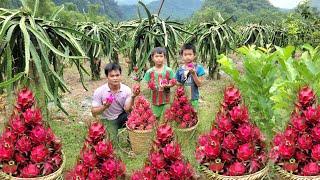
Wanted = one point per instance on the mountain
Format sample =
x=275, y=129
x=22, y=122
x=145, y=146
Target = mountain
x=175, y=9
x=316, y=4
x=107, y=7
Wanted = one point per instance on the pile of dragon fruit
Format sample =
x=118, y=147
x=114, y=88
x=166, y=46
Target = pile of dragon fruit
x=165, y=160
x=28, y=148
x=97, y=158
x=297, y=149
x=234, y=146
x=141, y=117
x=181, y=111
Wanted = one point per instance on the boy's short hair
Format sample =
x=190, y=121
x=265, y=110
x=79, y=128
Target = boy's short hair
x=188, y=46
x=159, y=50
x=111, y=67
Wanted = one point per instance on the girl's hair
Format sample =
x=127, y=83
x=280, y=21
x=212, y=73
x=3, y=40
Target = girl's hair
x=159, y=50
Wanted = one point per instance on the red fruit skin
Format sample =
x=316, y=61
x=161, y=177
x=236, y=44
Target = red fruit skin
x=216, y=167
x=25, y=99
x=9, y=168
x=315, y=152
x=230, y=142
x=157, y=160
x=96, y=132
x=38, y=134
x=23, y=144
x=30, y=171
x=104, y=149
x=310, y=169
x=95, y=175
x=306, y=97
x=47, y=168
x=232, y=96
x=89, y=158
x=6, y=151
x=236, y=169
x=245, y=133
x=290, y=167
x=245, y=152
x=315, y=134
x=39, y=153
x=305, y=142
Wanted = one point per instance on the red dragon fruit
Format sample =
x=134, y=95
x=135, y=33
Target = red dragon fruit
x=95, y=175
x=141, y=117
x=96, y=132
x=232, y=96
x=23, y=144
x=311, y=169
x=236, y=169
x=25, y=99
x=38, y=134
x=27, y=142
x=165, y=159
x=39, y=153
x=235, y=146
x=297, y=148
x=30, y=171
x=10, y=168
x=245, y=152
x=104, y=149
x=306, y=97
x=181, y=111
x=97, y=160
x=190, y=65
x=152, y=85
x=109, y=99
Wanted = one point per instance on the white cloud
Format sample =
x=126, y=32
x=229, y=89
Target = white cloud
x=288, y=4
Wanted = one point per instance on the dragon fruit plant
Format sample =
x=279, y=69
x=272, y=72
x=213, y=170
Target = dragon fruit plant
x=234, y=146
x=165, y=160
x=181, y=111
x=28, y=148
x=297, y=149
x=97, y=158
x=141, y=117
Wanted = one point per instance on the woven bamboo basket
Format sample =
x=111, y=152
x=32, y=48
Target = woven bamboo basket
x=255, y=176
x=2, y=102
x=140, y=140
x=184, y=135
x=53, y=176
x=285, y=175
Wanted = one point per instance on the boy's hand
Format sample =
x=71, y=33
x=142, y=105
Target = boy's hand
x=192, y=71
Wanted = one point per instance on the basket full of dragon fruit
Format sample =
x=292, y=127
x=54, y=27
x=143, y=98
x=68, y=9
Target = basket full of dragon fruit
x=97, y=158
x=234, y=148
x=140, y=125
x=296, y=151
x=183, y=117
x=165, y=159
x=28, y=147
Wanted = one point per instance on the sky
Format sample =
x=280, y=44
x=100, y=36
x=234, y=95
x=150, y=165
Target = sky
x=287, y=4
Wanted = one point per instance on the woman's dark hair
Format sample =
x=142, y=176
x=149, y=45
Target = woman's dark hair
x=188, y=46
x=111, y=67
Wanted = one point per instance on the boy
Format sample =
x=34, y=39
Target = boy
x=113, y=101
x=160, y=79
x=190, y=74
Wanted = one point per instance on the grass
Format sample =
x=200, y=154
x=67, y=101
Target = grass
x=73, y=133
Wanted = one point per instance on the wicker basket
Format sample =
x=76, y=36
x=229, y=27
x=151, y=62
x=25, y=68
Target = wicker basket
x=53, y=176
x=285, y=175
x=255, y=176
x=185, y=135
x=140, y=140
x=2, y=102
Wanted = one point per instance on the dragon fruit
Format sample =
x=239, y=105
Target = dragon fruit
x=152, y=85
x=190, y=65
x=25, y=99
x=97, y=160
x=30, y=171
x=141, y=117
x=27, y=146
x=109, y=99
x=39, y=153
x=298, y=148
x=96, y=132
x=234, y=146
x=181, y=111
x=165, y=159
